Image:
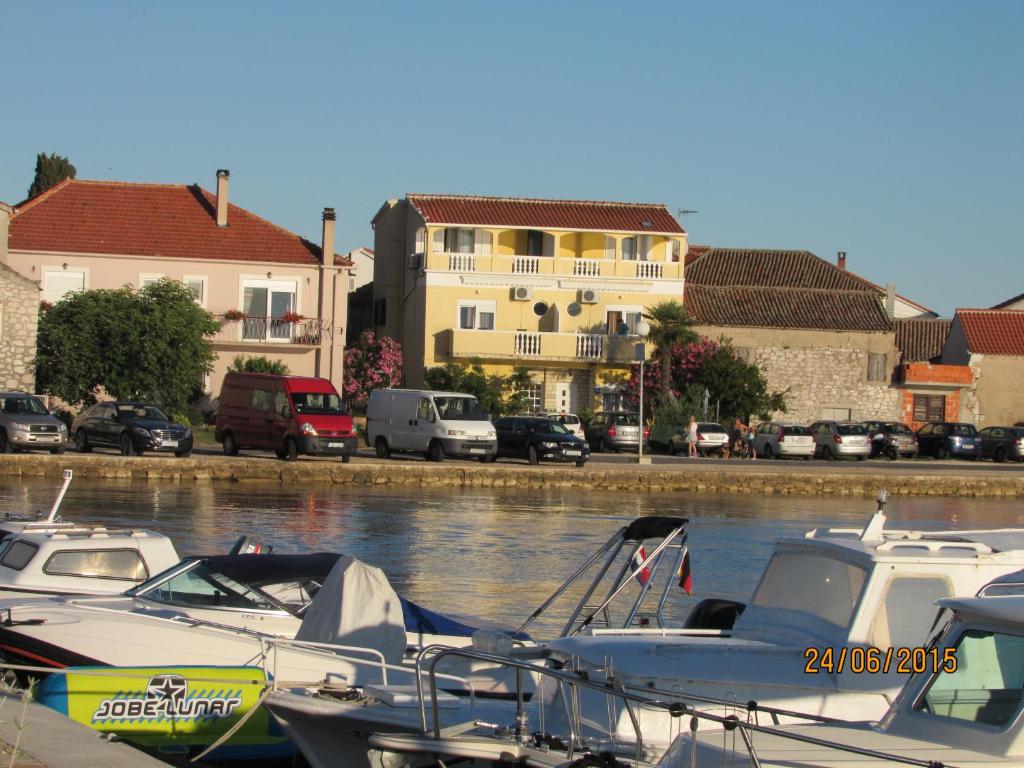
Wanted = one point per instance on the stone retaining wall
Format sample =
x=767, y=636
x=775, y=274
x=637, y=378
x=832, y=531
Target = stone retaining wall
x=466, y=475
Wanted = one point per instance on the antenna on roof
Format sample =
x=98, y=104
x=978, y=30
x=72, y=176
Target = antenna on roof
x=680, y=212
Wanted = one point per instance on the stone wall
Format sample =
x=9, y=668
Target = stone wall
x=19, y=316
x=997, y=398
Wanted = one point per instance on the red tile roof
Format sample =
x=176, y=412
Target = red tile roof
x=694, y=252
x=167, y=220
x=993, y=331
x=775, y=307
x=920, y=339
x=545, y=214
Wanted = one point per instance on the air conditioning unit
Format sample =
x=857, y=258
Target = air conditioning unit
x=522, y=293
x=416, y=261
x=590, y=296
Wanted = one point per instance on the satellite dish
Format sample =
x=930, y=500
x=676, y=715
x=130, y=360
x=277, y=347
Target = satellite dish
x=574, y=309
x=540, y=308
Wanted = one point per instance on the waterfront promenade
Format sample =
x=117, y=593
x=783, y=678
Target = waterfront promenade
x=620, y=473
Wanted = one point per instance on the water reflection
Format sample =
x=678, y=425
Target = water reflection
x=489, y=553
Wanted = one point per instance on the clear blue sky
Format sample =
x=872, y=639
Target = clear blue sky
x=890, y=130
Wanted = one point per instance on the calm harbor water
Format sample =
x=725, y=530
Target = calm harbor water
x=495, y=554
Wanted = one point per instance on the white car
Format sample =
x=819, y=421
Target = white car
x=568, y=420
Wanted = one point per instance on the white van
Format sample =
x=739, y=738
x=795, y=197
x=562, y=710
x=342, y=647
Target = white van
x=437, y=424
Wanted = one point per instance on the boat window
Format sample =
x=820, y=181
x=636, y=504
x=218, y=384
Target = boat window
x=18, y=554
x=98, y=563
x=814, y=584
x=907, y=611
x=204, y=586
x=986, y=686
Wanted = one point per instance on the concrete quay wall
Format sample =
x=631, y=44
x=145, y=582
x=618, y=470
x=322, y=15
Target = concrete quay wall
x=769, y=479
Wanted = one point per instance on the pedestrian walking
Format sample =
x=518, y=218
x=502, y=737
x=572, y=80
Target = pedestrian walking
x=691, y=438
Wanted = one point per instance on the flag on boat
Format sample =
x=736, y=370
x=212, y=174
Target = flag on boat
x=640, y=571
x=685, y=578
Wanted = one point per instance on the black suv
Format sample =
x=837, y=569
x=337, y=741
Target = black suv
x=948, y=438
x=538, y=439
x=130, y=427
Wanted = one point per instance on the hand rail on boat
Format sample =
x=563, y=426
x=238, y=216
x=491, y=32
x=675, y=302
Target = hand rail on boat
x=614, y=689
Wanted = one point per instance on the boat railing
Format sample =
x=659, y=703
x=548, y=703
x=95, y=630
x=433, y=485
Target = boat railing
x=570, y=684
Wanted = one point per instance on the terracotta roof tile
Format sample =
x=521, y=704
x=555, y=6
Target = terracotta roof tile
x=694, y=252
x=767, y=268
x=920, y=339
x=993, y=331
x=775, y=307
x=543, y=214
x=172, y=221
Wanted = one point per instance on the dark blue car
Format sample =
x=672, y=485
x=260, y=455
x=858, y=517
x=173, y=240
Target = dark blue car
x=948, y=438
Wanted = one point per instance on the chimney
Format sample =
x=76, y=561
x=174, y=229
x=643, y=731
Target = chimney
x=890, y=300
x=841, y=260
x=222, y=197
x=327, y=242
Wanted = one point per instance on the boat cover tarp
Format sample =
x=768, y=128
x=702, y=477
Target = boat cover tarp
x=652, y=527
x=356, y=606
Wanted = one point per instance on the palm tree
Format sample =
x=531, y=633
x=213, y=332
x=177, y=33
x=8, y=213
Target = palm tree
x=671, y=326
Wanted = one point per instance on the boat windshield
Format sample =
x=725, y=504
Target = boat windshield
x=460, y=409
x=985, y=686
x=815, y=584
x=317, y=402
x=204, y=586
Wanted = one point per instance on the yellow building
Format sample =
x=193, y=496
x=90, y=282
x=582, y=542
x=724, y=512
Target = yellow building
x=557, y=286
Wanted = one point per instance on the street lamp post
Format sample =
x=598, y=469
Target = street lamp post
x=643, y=328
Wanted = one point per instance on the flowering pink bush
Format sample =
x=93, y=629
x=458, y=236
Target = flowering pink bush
x=370, y=364
x=686, y=362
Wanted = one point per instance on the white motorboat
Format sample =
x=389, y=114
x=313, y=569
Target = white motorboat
x=964, y=710
x=838, y=589
x=49, y=556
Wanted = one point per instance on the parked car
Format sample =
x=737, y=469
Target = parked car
x=287, y=414
x=26, y=425
x=902, y=436
x=948, y=438
x=1001, y=443
x=568, y=420
x=131, y=427
x=615, y=431
x=711, y=439
x=436, y=424
x=538, y=439
x=839, y=439
x=783, y=439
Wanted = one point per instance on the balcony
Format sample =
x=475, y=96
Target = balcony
x=270, y=330
x=533, y=345
x=558, y=266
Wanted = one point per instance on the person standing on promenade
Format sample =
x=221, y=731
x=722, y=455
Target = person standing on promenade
x=691, y=438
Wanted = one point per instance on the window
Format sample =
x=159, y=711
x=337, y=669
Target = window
x=821, y=586
x=534, y=243
x=204, y=586
x=380, y=312
x=460, y=409
x=744, y=354
x=929, y=407
x=281, y=404
x=98, y=563
x=424, y=410
x=421, y=240
x=534, y=397
x=674, y=249
x=59, y=282
x=324, y=403
x=265, y=302
x=262, y=399
x=986, y=685
x=623, y=322
x=877, y=366
x=629, y=249
x=477, y=315
x=147, y=279
x=836, y=414
x=458, y=240
x=636, y=248
x=609, y=247
x=18, y=554
x=196, y=284
x=908, y=611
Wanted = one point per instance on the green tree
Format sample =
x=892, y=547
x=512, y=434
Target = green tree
x=50, y=170
x=737, y=386
x=150, y=344
x=671, y=327
x=261, y=364
x=498, y=395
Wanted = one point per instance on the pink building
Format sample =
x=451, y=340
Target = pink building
x=275, y=293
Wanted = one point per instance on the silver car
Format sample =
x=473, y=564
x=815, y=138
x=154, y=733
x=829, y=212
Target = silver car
x=782, y=439
x=615, y=431
x=25, y=424
x=839, y=439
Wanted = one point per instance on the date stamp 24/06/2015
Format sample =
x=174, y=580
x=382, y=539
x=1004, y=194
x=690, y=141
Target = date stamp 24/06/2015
x=861, y=660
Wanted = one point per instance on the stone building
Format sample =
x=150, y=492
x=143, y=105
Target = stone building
x=818, y=333
x=19, y=315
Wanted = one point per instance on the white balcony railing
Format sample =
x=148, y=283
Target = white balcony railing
x=526, y=265
x=527, y=344
x=462, y=262
x=649, y=269
x=590, y=346
x=586, y=267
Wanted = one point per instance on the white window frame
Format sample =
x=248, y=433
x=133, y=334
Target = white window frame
x=281, y=284
x=150, y=277
x=623, y=309
x=201, y=301
x=60, y=269
x=480, y=306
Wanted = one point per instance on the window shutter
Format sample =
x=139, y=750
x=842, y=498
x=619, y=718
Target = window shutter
x=644, y=248
x=439, y=240
x=609, y=247
x=58, y=284
x=483, y=242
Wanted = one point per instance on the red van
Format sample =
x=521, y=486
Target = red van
x=287, y=414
